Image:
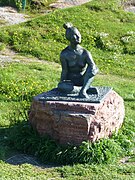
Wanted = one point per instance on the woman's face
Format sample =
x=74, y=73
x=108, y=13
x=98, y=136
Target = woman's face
x=75, y=37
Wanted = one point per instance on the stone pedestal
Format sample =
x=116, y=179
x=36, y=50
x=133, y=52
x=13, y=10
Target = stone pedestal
x=74, y=122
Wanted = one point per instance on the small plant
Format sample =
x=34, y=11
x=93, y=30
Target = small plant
x=128, y=41
x=2, y=46
x=24, y=138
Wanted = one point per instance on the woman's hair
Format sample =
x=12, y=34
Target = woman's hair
x=70, y=29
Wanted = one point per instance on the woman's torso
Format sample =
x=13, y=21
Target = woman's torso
x=76, y=64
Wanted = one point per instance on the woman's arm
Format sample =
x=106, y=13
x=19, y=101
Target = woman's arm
x=64, y=67
x=91, y=71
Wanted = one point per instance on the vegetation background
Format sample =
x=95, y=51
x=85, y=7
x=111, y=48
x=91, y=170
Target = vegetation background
x=30, y=4
x=109, y=33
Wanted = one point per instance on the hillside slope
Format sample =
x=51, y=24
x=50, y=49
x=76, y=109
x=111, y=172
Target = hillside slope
x=107, y=31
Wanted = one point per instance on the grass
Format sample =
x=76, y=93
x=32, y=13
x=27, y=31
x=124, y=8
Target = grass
x=20, y=82
x=81, y=172
x=43, y=37
x=75, y=172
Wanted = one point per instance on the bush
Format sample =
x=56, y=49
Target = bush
x=128, y=41
x=12, y=3
x=23, y=138
x=27, y=140
x=30, y=4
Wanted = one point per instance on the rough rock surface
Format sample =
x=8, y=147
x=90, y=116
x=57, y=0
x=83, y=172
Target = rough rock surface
x=73, y=122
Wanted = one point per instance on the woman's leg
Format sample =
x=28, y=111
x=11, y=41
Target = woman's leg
x=66, y=86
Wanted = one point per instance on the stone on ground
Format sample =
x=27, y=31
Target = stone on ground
x=74, y=122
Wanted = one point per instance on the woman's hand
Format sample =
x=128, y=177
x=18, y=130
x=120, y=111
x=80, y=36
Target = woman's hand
x=83, y=94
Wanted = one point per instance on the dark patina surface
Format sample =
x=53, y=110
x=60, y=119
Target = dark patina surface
x=78, y=72
x=78, y=66
x=56, y=95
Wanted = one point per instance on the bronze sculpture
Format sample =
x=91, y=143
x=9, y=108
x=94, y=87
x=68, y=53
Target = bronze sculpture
x=78, y=67
x=76, y=112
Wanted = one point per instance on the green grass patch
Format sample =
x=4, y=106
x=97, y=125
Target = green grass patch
x=101, y=172
x=81, y=172
x=20, y=82
x=26, y=171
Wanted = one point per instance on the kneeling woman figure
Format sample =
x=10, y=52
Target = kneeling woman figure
x=78, y=67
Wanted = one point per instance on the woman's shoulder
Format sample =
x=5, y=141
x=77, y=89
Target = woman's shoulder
x=64, y=51
x=86, y=51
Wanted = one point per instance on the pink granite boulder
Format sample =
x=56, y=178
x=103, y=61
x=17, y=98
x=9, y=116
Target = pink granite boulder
x=74, y=122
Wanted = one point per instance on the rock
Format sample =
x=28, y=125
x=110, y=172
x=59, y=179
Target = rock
x=74, y=122
x=67, y=3
x=11, y=16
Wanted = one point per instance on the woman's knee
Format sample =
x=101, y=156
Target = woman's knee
x=66, y=87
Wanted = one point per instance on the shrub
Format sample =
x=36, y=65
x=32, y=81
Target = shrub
x=30, y=4
x=27, y=140
x=12, y=3
x=128, y=41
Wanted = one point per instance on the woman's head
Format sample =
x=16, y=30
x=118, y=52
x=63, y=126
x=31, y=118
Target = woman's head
x=72, y=33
